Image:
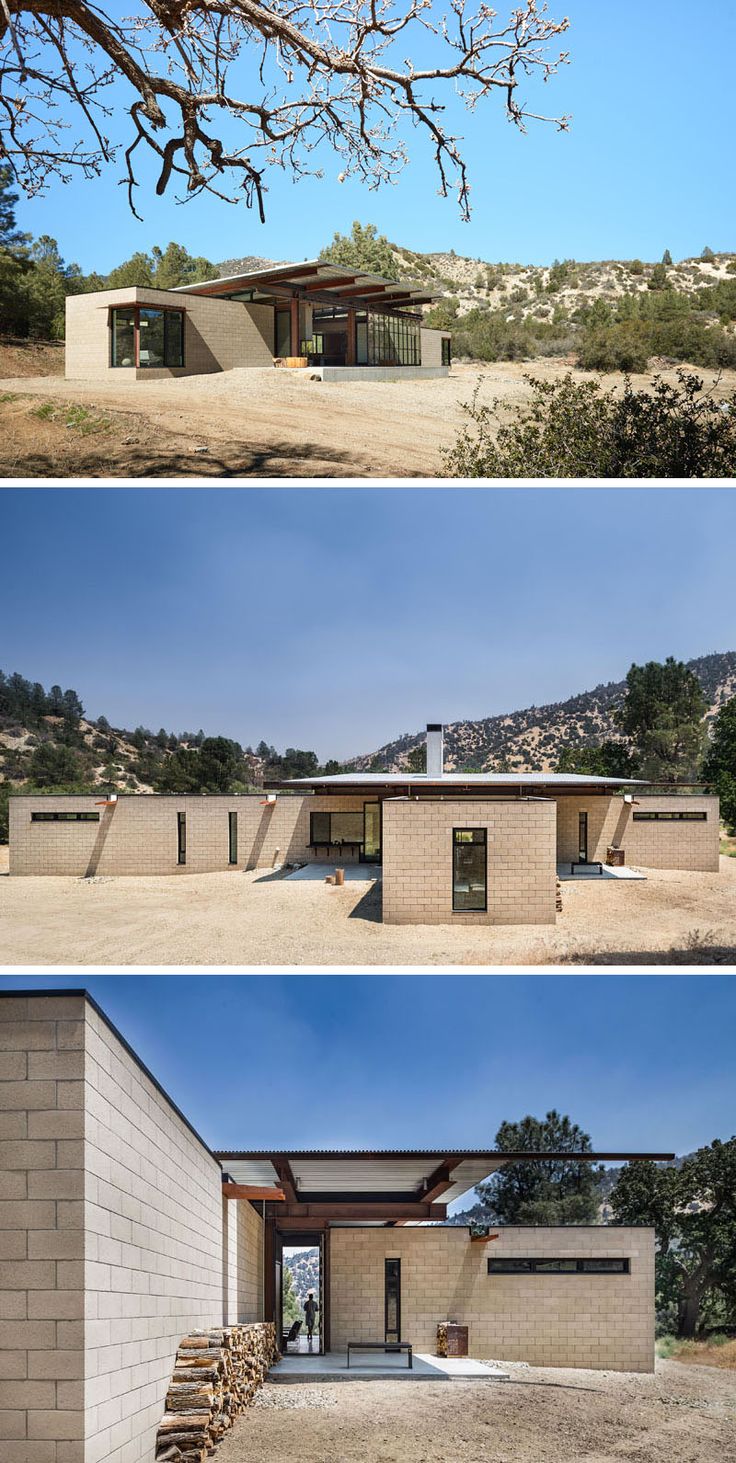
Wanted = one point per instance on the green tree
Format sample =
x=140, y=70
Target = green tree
x=554, y=1191
x=14, y=261
x=707, y=253
x=363, y=248
x=52, y=764
x=693, y=1211
x=575, y=429
x=719, y=763
x=663, y=715
x=220, y=760
x=608, y=759
x=290, y=1309
x=417, y=759
x=173, y=266
x=658, y=278
x=138, y=270
x=667, y=258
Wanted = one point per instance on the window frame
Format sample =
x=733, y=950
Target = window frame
x=663, y=815
x=395, y=1262
x=135, y=311
x=480, y=843
x=331, y=813
x=232, y=838
x=446, y=350
x=181, y=838
x=587, y=1265
x=41, y=816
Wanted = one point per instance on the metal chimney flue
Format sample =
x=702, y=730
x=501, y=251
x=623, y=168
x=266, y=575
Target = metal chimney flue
x=435, y=749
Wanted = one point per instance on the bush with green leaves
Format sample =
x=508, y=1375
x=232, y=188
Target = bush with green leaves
x=719, y=764
x=574, y=429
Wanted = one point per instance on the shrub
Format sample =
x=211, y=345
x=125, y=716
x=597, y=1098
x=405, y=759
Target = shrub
x=575, y=429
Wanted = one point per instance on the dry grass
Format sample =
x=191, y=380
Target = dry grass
x=704, y=1353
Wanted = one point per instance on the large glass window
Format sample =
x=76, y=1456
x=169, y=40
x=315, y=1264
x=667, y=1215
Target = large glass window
x=446, y=351
x=469, y=890
x=337, y=828
x=147, y=337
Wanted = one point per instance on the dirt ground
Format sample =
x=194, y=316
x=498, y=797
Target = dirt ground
x=680, y=1414
x=259, y=918
x=253, y=423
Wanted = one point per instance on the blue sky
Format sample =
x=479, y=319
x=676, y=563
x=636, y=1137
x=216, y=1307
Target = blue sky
x=336, y=619
x=644, y=167
x=640, y=1062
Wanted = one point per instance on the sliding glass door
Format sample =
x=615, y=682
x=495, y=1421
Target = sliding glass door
x=372, y=833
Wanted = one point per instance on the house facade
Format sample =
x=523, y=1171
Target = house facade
x=332, y=321
x=451, y=848
x=122, y=1232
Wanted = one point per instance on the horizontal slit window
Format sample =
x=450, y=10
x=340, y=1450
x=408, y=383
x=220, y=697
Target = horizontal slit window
x=65, y=817
x=561, y=1266
x=665, y=816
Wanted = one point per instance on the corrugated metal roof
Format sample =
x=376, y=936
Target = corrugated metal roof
x=475, y=779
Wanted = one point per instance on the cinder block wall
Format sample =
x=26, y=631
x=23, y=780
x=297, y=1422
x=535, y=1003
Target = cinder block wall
x=431, y=345
x=651, y=845
x=111, y=1239
x=138, y=835
x=41, y=1229
x=599, y=1321
x=218, y=334
x=417, y=860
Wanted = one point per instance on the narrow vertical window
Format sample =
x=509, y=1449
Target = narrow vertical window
x=181, y=831
x=469, y=870
x=232, y=833
x=583, y=838
x=392, y=1288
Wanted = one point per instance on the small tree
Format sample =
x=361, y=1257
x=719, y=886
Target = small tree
x=52, y=765
x=363, y=248
x=559, y=1191
x=693, y=1211
x=608, y=759
x=719, y=764
x=658, y=278
x=663, y=715
x=667, y=258
x=416, y=760
x=707, y=253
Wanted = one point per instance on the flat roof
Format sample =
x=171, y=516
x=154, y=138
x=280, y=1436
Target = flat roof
x=457, y=779
x=396, y=1175
x=317, y=277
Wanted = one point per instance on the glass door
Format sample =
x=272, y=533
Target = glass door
x=372, y=833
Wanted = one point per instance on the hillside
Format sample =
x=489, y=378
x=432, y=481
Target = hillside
x=304, y=1267
x=531, y=740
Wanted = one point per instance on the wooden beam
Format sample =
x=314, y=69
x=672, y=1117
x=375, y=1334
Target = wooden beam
x=286, y=1178
x=482, y=1239
x=323, y=283
x=253, y=1191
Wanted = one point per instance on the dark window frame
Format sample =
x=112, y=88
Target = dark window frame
x=181, y=838
x=232, y=838
x=135, y=310
x=394, y=1261
x=329, y=814
x=590, y=1265
x=481, y=842
x=446, y=350
x=662, y=815
x=44, y=817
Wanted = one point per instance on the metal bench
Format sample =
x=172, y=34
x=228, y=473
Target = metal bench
x=583, y=863
x=382, y=1346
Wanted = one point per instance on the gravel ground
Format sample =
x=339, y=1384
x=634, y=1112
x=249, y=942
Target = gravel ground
x=262, y=423
x=250, y=919
x=681, y=1414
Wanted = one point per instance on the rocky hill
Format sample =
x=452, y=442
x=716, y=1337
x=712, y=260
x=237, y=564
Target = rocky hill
x=304, y=1267
x=531, y=740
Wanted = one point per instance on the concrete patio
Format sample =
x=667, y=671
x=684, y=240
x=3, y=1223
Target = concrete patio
x=354, y=873
x=333, y=1367
x=563, y=872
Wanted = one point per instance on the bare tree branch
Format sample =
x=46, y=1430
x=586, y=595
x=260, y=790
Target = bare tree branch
x=219, y=91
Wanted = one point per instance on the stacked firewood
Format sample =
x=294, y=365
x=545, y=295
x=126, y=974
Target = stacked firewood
x=558, y=900
x=216, y=1376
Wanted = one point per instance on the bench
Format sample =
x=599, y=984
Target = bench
x=348, y=843
x=584, y=863
x=382, y=1346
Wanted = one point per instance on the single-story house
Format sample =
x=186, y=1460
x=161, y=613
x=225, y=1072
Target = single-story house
x=123, y=1232
x=335, y=322
x=453, y=847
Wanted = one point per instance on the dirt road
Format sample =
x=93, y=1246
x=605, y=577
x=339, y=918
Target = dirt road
x=252, y=423
x=681, y=1414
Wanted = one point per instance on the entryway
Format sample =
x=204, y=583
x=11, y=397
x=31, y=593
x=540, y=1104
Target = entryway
x=301, y=1293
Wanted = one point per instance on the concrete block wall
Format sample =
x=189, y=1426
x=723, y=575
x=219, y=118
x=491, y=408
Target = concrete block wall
x=138, y=834
x=652, y=845
x=599, y=1321
x=41, y=1229
x=218, y=334
x=431, y=345
x=111, y=1239
x=418, y=863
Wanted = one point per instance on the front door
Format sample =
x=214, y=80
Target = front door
x=583, y=838
x=372, y=833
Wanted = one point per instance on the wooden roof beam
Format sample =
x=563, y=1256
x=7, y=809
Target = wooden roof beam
x=439, y=1181
x=253, y=1191
x=286, y=1178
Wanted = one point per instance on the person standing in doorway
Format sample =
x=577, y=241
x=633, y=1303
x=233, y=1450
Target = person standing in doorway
x=310, y=1312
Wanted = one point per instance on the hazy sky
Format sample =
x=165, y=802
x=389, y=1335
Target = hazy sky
x=644, y=167
x=313, y=1061
x=336, y=619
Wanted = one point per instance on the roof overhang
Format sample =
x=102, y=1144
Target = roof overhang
x=418, y=784
x=379, y=1187
x=319, y=282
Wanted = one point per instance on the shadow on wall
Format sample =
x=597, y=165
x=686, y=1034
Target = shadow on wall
x=98, y=846
x=199, y=360
x=264, y=828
